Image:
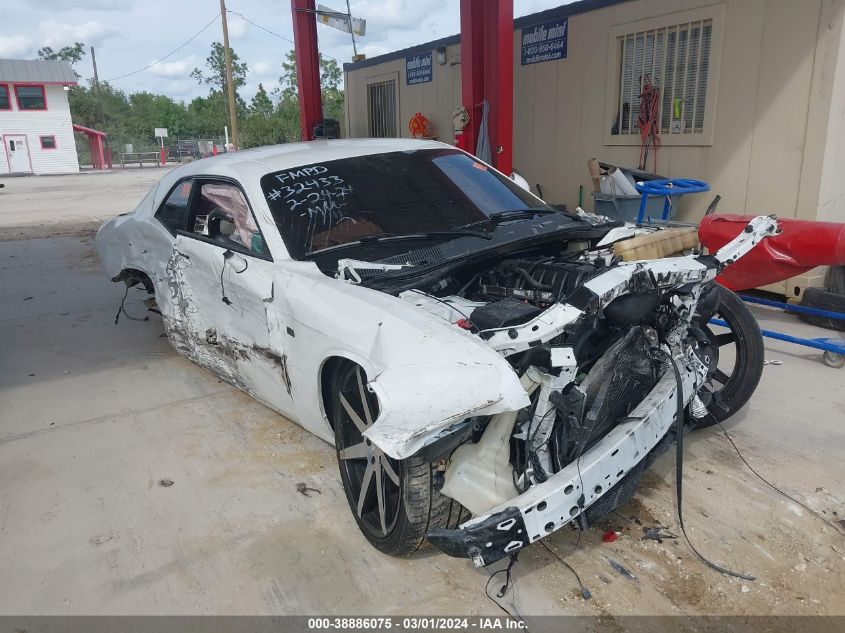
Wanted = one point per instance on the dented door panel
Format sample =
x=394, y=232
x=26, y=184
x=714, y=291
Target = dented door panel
x=223, y=319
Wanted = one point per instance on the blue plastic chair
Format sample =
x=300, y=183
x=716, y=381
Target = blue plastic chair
x=668, y=188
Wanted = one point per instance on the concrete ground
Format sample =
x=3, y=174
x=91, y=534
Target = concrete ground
x=95, y=416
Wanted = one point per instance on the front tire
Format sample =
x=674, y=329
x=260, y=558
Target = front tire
x=394, y=502
x=732, y=384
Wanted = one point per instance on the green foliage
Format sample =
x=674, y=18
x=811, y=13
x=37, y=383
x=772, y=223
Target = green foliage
x=72, y=54
x=261, y=104
x=333, y=97
x=268, y=119
x=216, y=65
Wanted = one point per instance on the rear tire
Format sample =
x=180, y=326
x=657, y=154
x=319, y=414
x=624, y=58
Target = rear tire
x=729, y=392
x=823, y=300
x=834, y=281
x=394, y=502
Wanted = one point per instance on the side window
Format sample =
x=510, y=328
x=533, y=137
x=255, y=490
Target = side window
x=174, y=212
x=220, y=212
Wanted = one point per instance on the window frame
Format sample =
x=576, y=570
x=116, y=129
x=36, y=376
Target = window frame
x=714, y=13
x=43, y=97
x=55, y=142
x=384, y=78
x=167, y=197
x=197, y=181
x=8, y=96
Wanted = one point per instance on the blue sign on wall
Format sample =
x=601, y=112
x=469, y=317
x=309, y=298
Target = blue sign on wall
x=418, y=69
x=544, y=42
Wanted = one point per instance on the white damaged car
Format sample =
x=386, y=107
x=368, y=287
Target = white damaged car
x=487, y=367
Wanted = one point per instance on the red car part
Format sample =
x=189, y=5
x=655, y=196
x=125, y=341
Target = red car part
x=802, y=245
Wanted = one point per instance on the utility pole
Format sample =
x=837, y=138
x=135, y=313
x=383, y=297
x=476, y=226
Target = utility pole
x=100, y=114
x=97, y=87
x=227, y=53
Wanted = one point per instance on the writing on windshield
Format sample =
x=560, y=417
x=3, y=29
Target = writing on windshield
x=336, y=202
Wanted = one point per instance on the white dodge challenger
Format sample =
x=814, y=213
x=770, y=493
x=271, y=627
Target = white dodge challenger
x=487, y=367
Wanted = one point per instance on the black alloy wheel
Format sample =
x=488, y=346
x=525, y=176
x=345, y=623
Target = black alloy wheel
x=738, y=359
x=370, y=477
x=394, y=502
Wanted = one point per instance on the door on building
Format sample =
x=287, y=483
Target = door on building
x=18, y=153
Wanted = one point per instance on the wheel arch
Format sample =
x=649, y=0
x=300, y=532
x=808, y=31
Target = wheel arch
x=134, y=276
x=329, y=370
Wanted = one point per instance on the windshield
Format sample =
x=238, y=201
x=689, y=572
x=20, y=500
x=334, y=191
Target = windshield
x=327, y=204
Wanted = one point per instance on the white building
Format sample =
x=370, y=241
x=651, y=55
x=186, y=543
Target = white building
x=35, y=117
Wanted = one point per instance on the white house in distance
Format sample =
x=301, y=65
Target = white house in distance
x=35, y=117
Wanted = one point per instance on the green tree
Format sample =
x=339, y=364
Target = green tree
x=215, y=64
x=332, y=94
x=206, y=116
x=72, y=54
x=330, y=74
x=150, y=111
x=215, y=78
x=261, y=103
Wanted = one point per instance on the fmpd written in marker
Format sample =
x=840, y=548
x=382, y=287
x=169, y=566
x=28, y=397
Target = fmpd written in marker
x=304, y=172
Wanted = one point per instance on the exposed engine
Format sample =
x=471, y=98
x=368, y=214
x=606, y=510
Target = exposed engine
x=617, y=365
x=541, y=280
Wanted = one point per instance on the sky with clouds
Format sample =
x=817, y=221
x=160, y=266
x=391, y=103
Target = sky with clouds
x=130, y=34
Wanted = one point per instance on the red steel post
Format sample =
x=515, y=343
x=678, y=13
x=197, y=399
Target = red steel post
x=472, y=66
x=307, y=66
x=487, y=73
x=500, y=38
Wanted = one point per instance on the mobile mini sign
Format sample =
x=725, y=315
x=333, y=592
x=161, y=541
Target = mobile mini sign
x=544, y=42
x=418, y=68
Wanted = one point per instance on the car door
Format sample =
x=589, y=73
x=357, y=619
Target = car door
x=222, y=280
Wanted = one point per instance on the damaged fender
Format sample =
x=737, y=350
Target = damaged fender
x=407, y=354
x=410, y=418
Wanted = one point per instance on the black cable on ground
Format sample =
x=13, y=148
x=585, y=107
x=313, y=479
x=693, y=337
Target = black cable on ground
x=770, y=484
x=508, y=571
x=679, y=469
x=585, y=593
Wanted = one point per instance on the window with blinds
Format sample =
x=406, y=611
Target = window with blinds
x=676, y=59
x=381, y=109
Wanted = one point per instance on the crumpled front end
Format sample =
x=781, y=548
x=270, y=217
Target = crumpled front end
x=591, y=398
x=587, y=488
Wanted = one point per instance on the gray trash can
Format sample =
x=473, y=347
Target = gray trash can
x=626, y=208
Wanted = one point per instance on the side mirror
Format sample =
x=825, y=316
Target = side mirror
x=227, y=228
x=220, y=224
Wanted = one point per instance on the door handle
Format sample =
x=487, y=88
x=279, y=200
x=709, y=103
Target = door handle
x=239, y=264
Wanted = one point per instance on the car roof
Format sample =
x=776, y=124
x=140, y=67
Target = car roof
x=248, y=166
x=279, y=157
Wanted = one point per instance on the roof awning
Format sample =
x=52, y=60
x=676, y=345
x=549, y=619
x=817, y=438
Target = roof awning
x=87, y=130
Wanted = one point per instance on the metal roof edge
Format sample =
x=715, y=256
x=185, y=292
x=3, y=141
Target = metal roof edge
x=400, y=54
x=554, y=13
